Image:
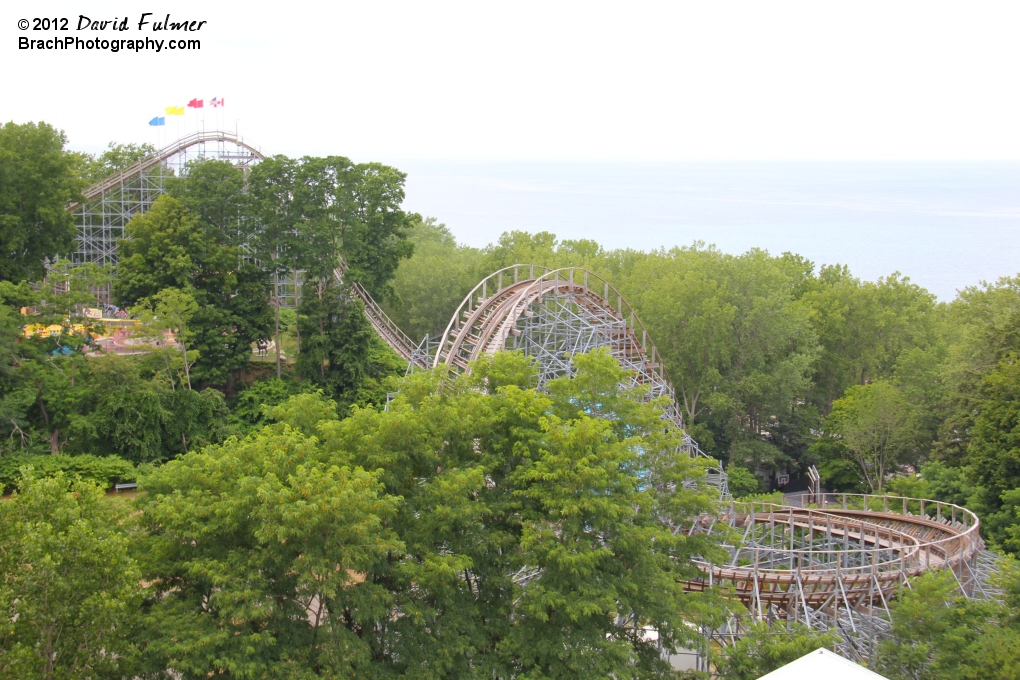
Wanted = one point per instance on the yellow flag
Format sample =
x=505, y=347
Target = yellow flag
x=175, y=110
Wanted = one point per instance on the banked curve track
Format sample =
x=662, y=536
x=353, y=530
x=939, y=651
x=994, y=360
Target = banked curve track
x=834, y=562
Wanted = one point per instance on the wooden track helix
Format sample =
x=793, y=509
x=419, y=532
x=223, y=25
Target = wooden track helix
x=847, y=552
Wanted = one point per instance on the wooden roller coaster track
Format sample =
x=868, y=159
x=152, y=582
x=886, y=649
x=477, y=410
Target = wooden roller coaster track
x=161, y=156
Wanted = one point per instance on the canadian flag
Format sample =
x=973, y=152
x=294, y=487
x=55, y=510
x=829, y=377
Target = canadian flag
x=195, y=103
x=216, y=102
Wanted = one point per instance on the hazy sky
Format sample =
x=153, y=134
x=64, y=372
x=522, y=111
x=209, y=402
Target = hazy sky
x=549, y=80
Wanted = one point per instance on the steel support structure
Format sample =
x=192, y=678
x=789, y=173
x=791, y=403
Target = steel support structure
x=552, y=314
x=836, y=564
x=109, y=205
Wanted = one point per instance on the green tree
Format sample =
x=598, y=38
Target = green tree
x=193, y=419
x=215, y=193
x=352, y=213
x=275, y=217
x=104, y=471
x=940, y=482
x=168, y=247
x=743, y=482
x=520, y=247
x=764, y=648
x=258, y=552
x=876, y=428
x=337, y=337
x=503, y=532
x=172, y=311
x=983, y=328
x=69, y=590
x=57, y=388
x=37, y=389
x=736, y=343
x=430, y=284
x=994, y=452
x=529, y=535
x=349, y=214
x=921, y=375
x=250, y=405
x=37, y=182
x=60, y=300
x=115, y=158
x=71, y=287
x=863, y=327
x=692, y=318
x=114, y=410
x=16, y=397
x=222, y=199
x=937, y=634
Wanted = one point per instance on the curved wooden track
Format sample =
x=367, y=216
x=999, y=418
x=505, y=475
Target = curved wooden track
x=849, y=552
x=163, y=155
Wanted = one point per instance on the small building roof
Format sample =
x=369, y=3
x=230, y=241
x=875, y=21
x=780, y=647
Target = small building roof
x=822, y=664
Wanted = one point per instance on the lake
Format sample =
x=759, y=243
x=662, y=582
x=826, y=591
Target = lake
x=945, y=225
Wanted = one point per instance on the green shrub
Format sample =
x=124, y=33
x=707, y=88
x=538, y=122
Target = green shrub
x=841, y=475
x=772, y=497
x=743, y=482
x=249, y=405
x=103, y=470
x=764, y=648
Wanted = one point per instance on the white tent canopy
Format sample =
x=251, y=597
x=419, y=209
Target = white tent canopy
x=822, y=664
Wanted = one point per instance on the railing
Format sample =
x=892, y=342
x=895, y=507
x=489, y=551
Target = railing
x=480, y=293
x=901, y=505
x=957, y=527
x=397, y=339
x=552, y=279
x=889, y=550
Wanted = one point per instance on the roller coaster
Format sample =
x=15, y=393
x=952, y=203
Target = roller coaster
x=830, y=561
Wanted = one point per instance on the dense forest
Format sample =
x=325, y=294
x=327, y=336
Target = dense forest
x=290, y=504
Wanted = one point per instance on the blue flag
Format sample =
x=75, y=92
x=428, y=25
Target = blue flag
x=158, y=120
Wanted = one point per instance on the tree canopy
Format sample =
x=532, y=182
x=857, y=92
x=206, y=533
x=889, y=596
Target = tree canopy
x=171, y=247
x=38, y=181
x=69, y=590
x=484, y=529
